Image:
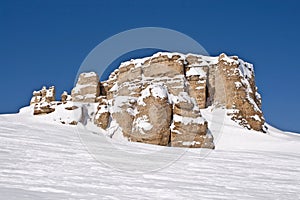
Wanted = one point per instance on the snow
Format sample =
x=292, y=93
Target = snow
x=155, y=90
x=114, y=87
x=190, y=143
x=61, y=114
x=196, y=71
x=256, y=117
x=246, y=68
x=202, y=60
x=229, y=60
x=102, y=109
x=49, y=92
x=188, y=120
x=89, y=74
x=142, y=123
x=40, y=160
x=118, y=102
x=79, y=87
x=238, y=84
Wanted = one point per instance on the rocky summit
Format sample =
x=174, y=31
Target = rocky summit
x=158, y=99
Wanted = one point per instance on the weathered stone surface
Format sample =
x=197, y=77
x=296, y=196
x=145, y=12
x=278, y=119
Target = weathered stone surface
x=123, y=113
x=189, y=129
x=87, y=88
x=240, y=92
x=152, y=123
x=204, y=81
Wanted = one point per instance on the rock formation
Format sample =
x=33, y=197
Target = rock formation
x=65, y=97
x=87, y=88
x=42, y=100
x=158, y=99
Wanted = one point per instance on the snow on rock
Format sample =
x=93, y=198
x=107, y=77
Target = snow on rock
x=87, y=88
x=102, y=114
x=241, y=92
x=158, y=99
x=43, y=95
x=189, y=128
x=152, y=122
x=43, y=100
x=157, y=91
x=65, y=97
x=188, y=120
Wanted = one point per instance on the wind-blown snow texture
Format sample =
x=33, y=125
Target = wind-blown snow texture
x=44, y=160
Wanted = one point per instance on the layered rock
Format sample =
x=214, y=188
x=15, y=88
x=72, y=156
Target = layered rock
x=87, y=88
x=241, y=92
x=219, y=81
x=158, y=99
x=189, y=128
x=144, y=94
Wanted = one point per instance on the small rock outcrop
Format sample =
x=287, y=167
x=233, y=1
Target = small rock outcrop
x=101, y=118
x=65, y=97
x=87, y=88
x=42, y=100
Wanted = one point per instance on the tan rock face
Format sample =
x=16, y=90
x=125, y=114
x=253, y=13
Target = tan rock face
x=240, y=91
x=189, y=129
x=87, y=88
x=154, y=111
x=150, y=121
x=158, y=100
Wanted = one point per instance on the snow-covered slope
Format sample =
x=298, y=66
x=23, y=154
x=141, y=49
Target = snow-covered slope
x=40, y=159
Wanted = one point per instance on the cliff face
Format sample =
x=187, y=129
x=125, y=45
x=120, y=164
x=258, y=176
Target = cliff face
x=158, y=99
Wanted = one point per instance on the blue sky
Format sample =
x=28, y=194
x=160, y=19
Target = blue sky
x=44, y=42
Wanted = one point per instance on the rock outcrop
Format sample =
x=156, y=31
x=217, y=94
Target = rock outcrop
x=42, y=100
x=153, y=96
x=241, y=92
x=87, y=88
x=192, y=82
x=65, y=97
x=158, y=99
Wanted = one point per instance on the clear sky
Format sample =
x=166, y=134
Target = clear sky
x=44, y=42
